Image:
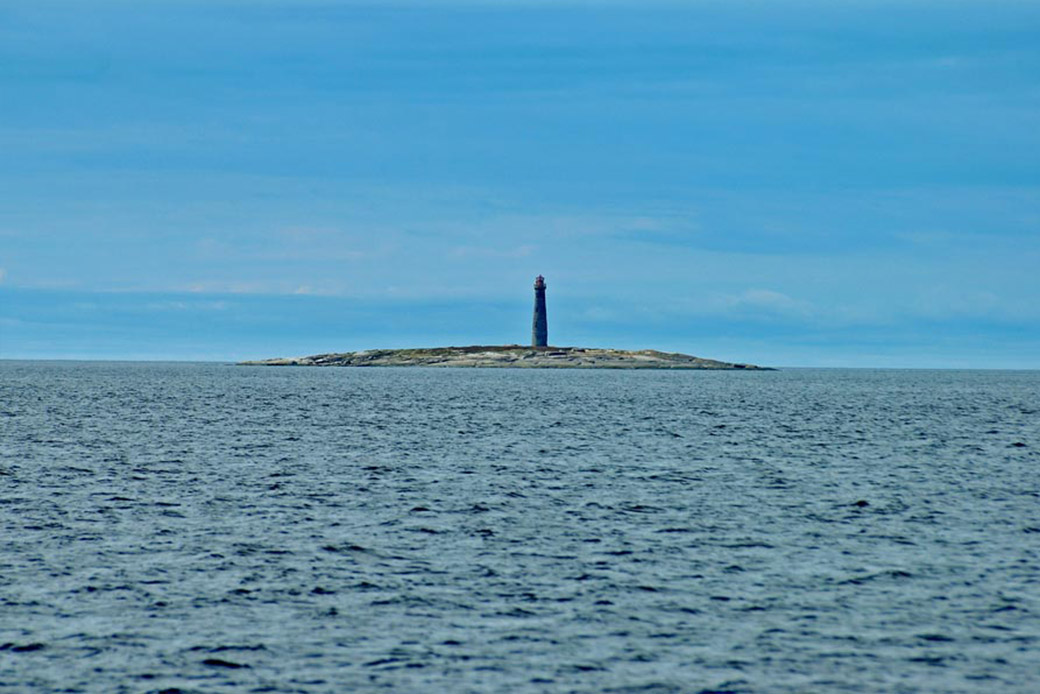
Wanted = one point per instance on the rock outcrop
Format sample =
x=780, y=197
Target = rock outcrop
x=510, y=356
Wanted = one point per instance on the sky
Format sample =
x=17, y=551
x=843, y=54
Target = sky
x=810, y=183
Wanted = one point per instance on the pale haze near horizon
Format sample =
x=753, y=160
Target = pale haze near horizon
x=788, y=183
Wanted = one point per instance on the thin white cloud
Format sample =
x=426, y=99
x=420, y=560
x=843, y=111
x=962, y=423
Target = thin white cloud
x=187, y=306
x=945, y=302
x=305, y=234
x=306, y=290
x=769, y=301
x=260, y=287
x=293, y=243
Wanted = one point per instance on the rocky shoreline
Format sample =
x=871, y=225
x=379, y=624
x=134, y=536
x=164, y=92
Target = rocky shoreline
x=512, y=356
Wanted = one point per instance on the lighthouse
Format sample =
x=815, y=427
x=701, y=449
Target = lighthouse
x=540, y=329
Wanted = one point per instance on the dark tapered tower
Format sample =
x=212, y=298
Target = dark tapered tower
x=540, y=330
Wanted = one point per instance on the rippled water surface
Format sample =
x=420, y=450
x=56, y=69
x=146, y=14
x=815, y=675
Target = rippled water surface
x=209, y=528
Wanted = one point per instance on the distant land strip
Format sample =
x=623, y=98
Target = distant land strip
x=511, y=356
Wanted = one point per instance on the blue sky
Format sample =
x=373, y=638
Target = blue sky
x=789, y=183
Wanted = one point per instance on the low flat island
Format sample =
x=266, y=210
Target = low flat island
x=511, y=356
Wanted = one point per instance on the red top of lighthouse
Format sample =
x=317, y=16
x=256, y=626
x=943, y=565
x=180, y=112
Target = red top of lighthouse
x=539, y=282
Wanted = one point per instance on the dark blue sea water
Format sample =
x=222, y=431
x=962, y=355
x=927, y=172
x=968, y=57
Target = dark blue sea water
x=209, y=528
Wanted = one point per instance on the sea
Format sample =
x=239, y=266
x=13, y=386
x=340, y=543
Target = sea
x=173, y=527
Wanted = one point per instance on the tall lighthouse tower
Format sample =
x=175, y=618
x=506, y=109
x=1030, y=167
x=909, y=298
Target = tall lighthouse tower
x=540, y=330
